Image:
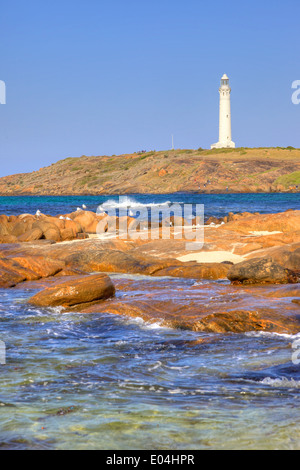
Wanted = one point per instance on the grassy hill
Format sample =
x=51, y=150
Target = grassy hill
x=218, y=170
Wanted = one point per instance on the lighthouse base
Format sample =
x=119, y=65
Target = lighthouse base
x=223, y=145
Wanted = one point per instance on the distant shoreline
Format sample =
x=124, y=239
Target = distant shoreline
x=149, y=194
x=146, y=193
x=222, y=171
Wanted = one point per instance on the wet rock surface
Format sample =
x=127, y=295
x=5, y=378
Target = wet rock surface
x=203, y=307
x=261, y=271
x=62, y=258
x=82, y=290
x=17, y=269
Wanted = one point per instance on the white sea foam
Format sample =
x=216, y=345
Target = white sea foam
x=154, y=326
x=127, y=202
x=155, y=366
x=57, y=310
x=177, y=391
x=177, y=367
x=281, y=382
x=273, y=335
x=144, y=324
x=120, y=343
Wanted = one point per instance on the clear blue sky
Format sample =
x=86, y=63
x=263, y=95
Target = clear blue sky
x=103, y=77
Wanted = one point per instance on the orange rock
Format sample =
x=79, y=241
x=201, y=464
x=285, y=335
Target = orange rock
x=52, y=233
x=72, y=225
x=49, y=229
x=162, y=172
x=8, y=239
x=196, y=271
x=12, y=273
x=248, y=248
x=293, y=261
x=261, y=271
x=12, y=219
x=83, y=290
x=22, y=226
x=4, y=225
x=41, y=266
x=27, y=268
x=198, y=313
x=288, y=221
x=31, y=235
x=67, y=234
x=59, y=223
x=282, y=255
x=87, y=220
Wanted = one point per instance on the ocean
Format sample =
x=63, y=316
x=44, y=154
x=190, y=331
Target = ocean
x=101, y=381
x=217, y=205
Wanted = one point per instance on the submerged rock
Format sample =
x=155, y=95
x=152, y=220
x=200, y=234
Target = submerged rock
x=203, y=307
x=83, y=290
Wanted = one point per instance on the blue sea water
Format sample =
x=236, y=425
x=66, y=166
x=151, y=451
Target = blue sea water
x=217, y=205
x=100, y=381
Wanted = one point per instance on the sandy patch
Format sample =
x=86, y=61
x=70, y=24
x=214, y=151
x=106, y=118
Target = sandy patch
x=212, y=257
x=262, y=233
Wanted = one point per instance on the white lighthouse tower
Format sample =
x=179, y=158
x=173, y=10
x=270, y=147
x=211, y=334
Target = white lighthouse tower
x=225, y=116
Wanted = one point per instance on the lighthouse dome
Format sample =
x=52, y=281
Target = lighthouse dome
x=224, y=77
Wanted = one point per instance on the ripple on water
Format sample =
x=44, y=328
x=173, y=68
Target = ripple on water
x=131, y=384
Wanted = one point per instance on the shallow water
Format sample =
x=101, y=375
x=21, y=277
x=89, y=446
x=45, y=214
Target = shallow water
x=101, y=381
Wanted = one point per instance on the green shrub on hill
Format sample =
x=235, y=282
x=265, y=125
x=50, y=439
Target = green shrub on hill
x=289, y=179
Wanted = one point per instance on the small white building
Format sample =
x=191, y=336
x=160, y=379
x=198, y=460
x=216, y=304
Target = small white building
x=225, y=116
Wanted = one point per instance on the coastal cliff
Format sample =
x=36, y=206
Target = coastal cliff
x=241, y=170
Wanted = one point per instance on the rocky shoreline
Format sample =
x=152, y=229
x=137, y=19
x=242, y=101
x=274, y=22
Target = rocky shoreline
x=252, y=261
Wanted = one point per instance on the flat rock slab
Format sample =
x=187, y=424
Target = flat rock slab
x=17, y=269
x=204, y=307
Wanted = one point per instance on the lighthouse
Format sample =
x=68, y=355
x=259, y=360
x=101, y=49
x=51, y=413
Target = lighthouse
x=225, y=116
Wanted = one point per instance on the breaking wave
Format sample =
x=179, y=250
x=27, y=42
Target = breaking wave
x=281, y=382
x=126, y=202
